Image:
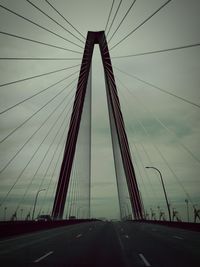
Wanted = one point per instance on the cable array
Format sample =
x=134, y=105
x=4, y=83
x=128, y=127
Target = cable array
x=163, y=125
x=29, y=161
x=47, y=151
x=29, y=118
x=140, y=25
x=57, y=97
x=65, y=19
x=30, y=138
x=38, y=25
x=37, y=76
x=38, y=58
x=54, y=126
x=38, y=42
x=36, y=94
x=114, y=17
x=122, y=21
x=109, y=15
x=152, y=194
x=50, y=182
x=160, y=89
x=56, y=22
x=154, y=144
x=159, y=51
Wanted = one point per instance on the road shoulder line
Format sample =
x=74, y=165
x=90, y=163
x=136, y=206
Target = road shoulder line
x=44, y=256
x=144, y=260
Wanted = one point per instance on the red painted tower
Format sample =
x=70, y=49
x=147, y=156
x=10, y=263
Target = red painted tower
x=120, y=144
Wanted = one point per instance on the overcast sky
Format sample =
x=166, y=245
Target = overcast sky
x=163, y=131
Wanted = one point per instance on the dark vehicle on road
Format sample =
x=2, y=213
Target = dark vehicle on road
x=44, y=218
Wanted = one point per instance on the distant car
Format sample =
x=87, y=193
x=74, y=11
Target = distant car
x=44, y=218
x=72, y=217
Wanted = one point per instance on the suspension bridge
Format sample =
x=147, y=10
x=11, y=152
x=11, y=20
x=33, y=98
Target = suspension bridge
x=99, y=126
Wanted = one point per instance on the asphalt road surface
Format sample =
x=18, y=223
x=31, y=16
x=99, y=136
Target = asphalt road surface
x=128, y=244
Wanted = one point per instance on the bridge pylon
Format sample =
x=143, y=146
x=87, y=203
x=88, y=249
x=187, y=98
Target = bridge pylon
x=120, y=144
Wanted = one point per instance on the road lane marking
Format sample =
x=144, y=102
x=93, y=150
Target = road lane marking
x=25, y=245
x=79, y=235
x=35, y=238
x=54, y=232
x=127, y=236
x=124, y=258
x=90, y=228
x=30, y=235
x=44, y=256
x=178, y=237
x=36, y=235
x=144, y=260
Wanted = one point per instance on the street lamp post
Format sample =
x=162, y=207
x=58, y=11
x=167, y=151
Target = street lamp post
x=21, y=213
x=70, y=208
x=127, y=209
x=167, y=202
x=158, y=207
x=186, y=201
x=79, y=211
x=124, y=209
x=36, y=197
x=5, y=209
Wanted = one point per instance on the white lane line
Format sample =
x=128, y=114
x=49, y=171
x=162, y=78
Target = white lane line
x=78, y=236
x=122, y=229
x=44, y=256
x=178, y=237
x=124, y=258
x=144, y=260
x=34, y=234
x=17, y=247
x=127, y=236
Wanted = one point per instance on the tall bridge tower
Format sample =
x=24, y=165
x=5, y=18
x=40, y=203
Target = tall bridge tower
x=122, y=156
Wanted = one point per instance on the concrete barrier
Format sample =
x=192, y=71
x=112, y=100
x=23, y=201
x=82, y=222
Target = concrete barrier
x=11, y=228
x=183, y=225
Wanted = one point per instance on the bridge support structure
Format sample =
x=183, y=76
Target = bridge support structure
x=120, y=144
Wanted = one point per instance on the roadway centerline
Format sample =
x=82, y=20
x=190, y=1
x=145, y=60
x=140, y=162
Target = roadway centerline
x=122, y=248
x=178, y=237
x=144, y=260
x=43, y=257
